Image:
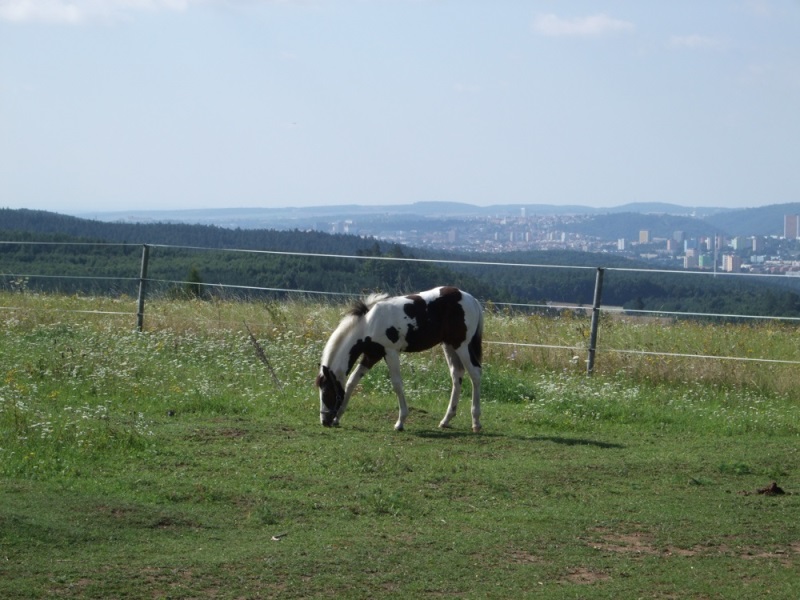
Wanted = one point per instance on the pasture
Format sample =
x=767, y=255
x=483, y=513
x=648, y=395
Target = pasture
x=188, y=461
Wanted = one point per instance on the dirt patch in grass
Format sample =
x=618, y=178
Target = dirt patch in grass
x=584, y=576
x=642, y=543
x=522, y=557
x=636, y=542
x=787, y=557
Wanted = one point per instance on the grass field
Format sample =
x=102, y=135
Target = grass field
x=172, y=464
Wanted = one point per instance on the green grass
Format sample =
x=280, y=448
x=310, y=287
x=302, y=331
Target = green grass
x=170, y=464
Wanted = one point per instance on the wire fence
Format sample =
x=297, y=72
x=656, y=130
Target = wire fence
x=15, y=280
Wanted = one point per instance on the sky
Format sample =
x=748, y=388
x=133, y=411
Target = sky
x=110, y=105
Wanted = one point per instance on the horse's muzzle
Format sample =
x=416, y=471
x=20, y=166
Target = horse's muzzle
x=326, y=418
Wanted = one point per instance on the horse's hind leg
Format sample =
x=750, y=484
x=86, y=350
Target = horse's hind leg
x=392, y=359
x=462, y=358
x=475, y=372
x=456, y=374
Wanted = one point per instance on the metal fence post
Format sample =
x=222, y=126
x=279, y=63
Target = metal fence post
x=142, y=287
x=598, y=295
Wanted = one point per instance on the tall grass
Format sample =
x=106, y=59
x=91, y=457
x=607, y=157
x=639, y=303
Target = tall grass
x=731, y=355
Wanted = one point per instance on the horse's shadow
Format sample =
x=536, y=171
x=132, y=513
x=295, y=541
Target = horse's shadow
x=556, y=439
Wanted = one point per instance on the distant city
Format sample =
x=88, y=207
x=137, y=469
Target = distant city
x=755, y=240
x=754, y=254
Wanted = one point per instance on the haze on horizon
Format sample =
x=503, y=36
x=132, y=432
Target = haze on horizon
x=192, y=104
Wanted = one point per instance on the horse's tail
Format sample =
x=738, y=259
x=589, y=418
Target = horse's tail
x=476, y=343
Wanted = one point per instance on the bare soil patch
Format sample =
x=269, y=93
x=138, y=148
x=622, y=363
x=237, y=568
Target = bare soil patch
x=584, y=576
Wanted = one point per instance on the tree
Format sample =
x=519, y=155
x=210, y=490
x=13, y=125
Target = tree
x=193, y=287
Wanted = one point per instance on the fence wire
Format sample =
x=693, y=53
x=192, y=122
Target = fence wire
x=550, y=306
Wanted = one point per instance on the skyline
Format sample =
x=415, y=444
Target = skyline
x=194, y=104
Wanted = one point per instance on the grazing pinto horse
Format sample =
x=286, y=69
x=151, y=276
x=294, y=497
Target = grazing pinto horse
x=381, y=328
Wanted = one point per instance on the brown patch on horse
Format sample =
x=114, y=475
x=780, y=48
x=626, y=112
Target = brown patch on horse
x=440, y=321
x=476, y=347
x=372, y=352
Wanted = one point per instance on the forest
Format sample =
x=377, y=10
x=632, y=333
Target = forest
x=80, y=255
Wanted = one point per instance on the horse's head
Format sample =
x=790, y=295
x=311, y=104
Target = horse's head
x=331, y=396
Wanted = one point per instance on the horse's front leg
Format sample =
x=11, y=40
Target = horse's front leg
x=392, y=359
x=349, y=388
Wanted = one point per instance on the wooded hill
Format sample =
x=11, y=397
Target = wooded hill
x=204, y=256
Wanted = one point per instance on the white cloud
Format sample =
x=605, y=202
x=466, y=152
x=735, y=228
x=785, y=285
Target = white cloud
x=78, y=11
x=694, y=41
x=29, y=10
x=594, y=25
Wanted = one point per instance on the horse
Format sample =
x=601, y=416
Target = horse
x=381, y=327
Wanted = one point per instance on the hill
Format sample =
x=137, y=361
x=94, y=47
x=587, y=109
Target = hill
x=203, y=253
x=607, y=223
x=627, y=225
x=765, y=220
x=416, y=215
x=35, y=222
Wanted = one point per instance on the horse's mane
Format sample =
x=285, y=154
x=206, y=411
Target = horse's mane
x=350, y=321
x=361, y=306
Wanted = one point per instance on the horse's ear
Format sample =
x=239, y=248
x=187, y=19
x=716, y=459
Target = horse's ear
x=323, y=376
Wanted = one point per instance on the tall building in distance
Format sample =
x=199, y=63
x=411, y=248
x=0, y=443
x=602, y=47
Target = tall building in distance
x=791, y=227
x=731, y=263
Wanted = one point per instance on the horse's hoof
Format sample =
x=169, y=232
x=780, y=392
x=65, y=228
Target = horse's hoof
x=444, y=425
x=398, y=427
x=476, y=428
